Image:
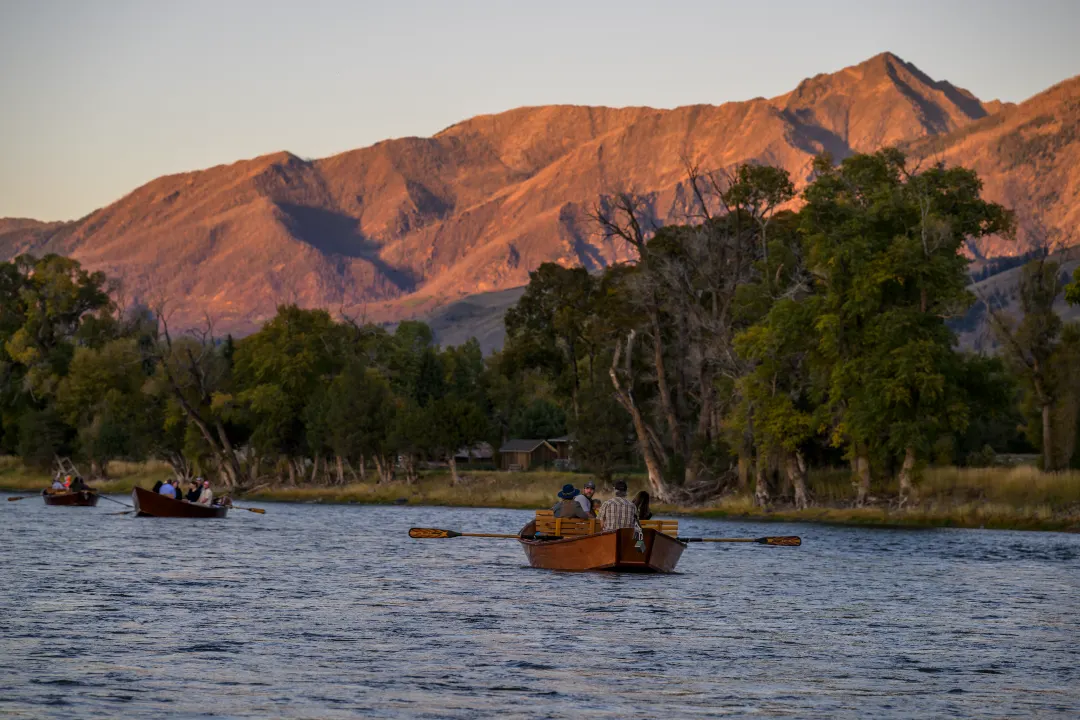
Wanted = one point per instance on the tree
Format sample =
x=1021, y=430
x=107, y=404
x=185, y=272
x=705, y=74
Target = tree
x=884, y=242
x=688, y=291
x=1029, y=347
x=102, y=398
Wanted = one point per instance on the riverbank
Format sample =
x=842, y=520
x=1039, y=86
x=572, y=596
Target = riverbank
x=1019, y=498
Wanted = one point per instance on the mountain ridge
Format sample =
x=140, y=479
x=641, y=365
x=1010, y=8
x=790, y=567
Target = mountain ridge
x=404, y=226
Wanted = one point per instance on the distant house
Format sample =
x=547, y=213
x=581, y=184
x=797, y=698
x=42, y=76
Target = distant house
x=524, y=454
x=481, y=452
x=564, y=446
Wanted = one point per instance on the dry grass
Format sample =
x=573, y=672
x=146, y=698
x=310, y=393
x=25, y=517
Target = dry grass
x=477, y=489
x=122, y=476
x=1004, y=498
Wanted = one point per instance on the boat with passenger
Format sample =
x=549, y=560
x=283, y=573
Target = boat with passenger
x=152, y=504
x=67, y=498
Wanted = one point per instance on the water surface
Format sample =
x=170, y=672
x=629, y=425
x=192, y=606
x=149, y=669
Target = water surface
x=321, y=611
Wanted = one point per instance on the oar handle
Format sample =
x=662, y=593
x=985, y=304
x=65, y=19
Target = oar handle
x=490, y=535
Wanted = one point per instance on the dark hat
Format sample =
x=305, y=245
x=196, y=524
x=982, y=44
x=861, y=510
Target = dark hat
x=590, y=485
x=620, y=485
x=569, y=492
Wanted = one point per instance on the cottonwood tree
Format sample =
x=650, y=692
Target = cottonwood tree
x=884, y=242
x=1031, y=344
x=687, y=289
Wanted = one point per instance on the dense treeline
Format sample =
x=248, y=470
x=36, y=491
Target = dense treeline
x=738, y=350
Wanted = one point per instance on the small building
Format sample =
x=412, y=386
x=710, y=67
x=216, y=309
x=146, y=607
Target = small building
x=564, y=446
x=481, y=452
x=524, y=454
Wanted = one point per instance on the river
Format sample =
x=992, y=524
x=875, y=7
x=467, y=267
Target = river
x=324, y=611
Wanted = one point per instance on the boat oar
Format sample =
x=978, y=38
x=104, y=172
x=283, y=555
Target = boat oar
x=254, y=510
x=106, y=497
x=784, y=540
x=434, y=533
x=23, y=497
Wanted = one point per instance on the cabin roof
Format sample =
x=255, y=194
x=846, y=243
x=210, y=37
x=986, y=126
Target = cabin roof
x=522, y=445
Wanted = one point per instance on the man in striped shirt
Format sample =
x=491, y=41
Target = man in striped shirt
x=618, y=512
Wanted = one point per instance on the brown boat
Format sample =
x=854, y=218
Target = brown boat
x=152, y=504
x=575, y=545
x=83, y=498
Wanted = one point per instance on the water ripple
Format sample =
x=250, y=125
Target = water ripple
x=332, y=611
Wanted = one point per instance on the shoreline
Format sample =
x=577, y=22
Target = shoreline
x=1051, y=510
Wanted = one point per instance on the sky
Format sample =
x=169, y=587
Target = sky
x=98, y=97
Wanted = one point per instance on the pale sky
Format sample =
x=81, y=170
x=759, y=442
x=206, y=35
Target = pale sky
x=100, y=96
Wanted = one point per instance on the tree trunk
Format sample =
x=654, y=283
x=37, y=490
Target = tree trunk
x=657, y=484
x=662, y=384
x=1049, y=465
x=454, y=479
x=761, y=481
x=292, y=473
x=907, y=470
x=340, y=470
x=862, y=479
x=796, y=472
x=315, y=470
x=363, y=468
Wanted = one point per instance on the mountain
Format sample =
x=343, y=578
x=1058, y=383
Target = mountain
x=1028, y=157
x=406, y=227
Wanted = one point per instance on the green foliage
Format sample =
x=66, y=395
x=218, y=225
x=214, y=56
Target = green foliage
x=1072, y=290
x=884, y=245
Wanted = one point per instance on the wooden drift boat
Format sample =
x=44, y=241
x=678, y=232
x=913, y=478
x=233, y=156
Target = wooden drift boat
x=577, y=546
x=83, y=498
x=151, y=504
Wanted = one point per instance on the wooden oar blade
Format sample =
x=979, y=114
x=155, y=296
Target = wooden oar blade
x=786, y=540
x=254, y=510
x=431, y=533
x=14, y=499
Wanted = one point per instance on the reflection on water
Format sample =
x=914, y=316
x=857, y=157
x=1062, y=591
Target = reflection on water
x=332, y=611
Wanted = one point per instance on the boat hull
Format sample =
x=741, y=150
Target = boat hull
x=151, y=504
x=83, y=498
x=613, y=551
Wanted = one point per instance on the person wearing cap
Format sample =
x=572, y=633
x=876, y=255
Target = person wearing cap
x=206, y=496
x=567, y=507
x=618, y=512
x=585, y=498
x=57, y=484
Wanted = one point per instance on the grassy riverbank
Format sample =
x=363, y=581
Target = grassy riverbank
x=1020, y=498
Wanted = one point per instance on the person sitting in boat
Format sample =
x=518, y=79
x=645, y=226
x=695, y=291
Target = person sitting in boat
x=585, y=498
x=567, y=507
x=57, y=485
x=167, y=489
x=79, y=485
x=618, y=512
x=194, y=491
x=206, y=497
x=641, y=502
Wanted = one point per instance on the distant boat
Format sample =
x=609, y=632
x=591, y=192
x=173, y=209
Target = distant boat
x=152, y=504
x=83, y=498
